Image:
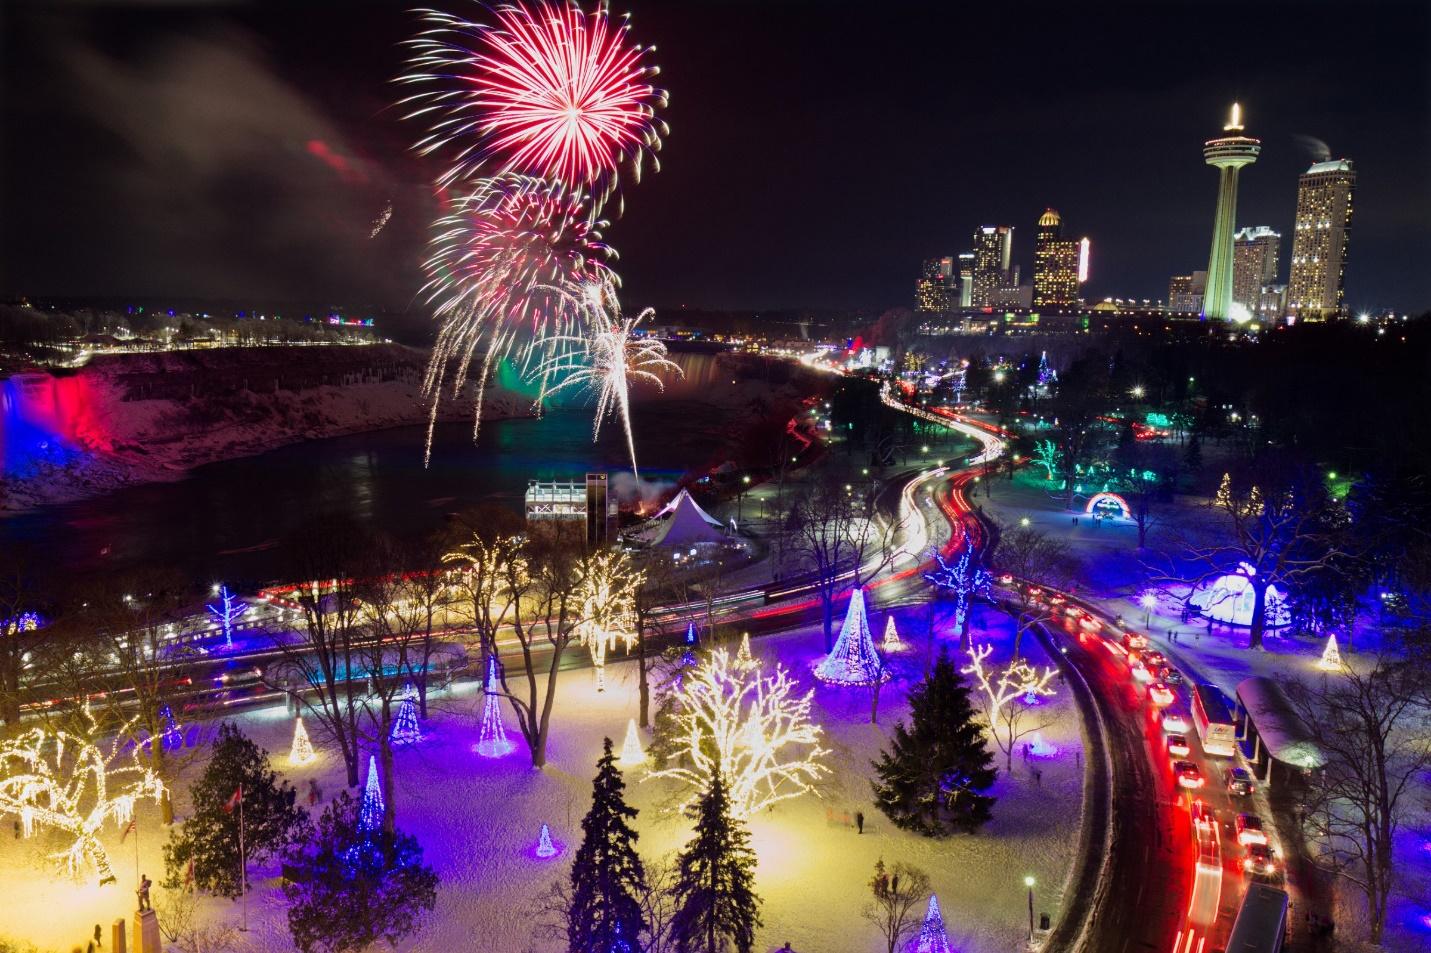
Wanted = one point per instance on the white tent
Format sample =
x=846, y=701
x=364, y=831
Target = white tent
x=682, y=522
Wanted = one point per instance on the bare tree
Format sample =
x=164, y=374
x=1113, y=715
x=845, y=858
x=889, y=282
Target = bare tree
x=1147, y=474
x=129, y=630
x=324, y=672
x=1278, y=522
x=1034, y=560
x=542, y=580
x=1370, y=724
x=897, y=895
x=839, y=536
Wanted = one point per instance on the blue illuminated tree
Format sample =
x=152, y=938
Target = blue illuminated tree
x=932, y=938
x=405, y=729
x=963, y=580
x=227, y=612
x=370, y=812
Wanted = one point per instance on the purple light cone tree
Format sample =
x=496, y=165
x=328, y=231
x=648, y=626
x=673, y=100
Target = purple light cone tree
x=853, y=660
x=405, y=728
x=931, y=938
x=492, y=739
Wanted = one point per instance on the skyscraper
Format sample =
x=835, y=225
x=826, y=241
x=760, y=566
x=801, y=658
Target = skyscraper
x=1254, y=264
x=936, y=283
x=1055, y=281
x=1185, y=292
x=966, y=279
x=1228, y=154
x=1319, y=240
x=993, y=250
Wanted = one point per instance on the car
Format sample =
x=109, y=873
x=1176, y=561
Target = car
x=1259, y=861
x=1161, y=694
x=1173, y=721
x=1140, y=673
x=1072, y=612
x=1006, y=579
x=1249, y=830
x=1178, y=746
x=1132, y=640
x=1089, y=623
x=1188, y=774
x=1172, y=676
x=1239, y=781
x=1154, y=660
x=1056, y=600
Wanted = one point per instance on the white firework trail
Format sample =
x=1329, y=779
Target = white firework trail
x=608, y=360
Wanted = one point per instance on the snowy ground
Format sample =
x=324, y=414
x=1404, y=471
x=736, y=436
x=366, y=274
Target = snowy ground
x=478, y=822
x=1111, y=574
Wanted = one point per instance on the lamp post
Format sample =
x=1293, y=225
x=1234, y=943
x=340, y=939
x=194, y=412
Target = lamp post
x=1029, y=883
x=740, y=499
x=1149, y=602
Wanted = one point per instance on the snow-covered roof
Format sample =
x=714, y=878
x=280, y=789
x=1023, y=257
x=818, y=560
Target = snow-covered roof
x=1284, y=734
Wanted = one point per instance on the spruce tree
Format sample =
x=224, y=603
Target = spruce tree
x=933, y=778
x=715, y=901
x=342, y=899
x=607, y=878
x=207, y=844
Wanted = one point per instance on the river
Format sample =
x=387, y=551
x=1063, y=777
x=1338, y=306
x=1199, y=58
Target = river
x=227, y=520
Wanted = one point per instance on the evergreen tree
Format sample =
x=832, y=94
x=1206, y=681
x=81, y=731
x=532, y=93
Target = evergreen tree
x=342, y=899
x=715, y=901
x=207, y=844
x=1192, y=455
x=933, y=778
x=607, y=878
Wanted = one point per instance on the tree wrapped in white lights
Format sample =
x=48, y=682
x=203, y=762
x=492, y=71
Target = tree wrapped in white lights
x=750, y=727
x=607, y=594
x=67, y=782
x=1008, y=695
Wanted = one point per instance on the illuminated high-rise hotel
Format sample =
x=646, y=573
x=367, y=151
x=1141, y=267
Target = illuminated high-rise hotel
x=1254, y=265
x=936, y=285
x=1056, y=264
x=1319, y=240
x=1228, y=154
x=993, y=251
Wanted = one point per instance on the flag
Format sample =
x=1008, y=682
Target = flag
x=128, y=830
x=234, y=801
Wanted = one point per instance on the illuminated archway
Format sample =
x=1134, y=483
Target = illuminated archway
x=1105, y=501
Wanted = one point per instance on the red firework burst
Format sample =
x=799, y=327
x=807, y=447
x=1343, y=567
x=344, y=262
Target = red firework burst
x=545, y=89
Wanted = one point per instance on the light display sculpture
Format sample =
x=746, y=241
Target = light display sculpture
x=931, y=937
x=370, y=812
x=492, y=735
x=631, y=754
x=853, y=660
x=743, y=658
x=891, y=641
x=1331, y=659
x=964, y=579
x=545, y=847
x=405, y=730
x=301, y=752
x=1018, y=678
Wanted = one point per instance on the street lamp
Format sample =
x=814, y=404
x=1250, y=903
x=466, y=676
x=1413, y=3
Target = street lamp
x=1149, y=602
x=1023, y=521
x=740, y=500
x=1029, y=883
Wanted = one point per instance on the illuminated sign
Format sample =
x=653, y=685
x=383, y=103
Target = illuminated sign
x=1083, y=244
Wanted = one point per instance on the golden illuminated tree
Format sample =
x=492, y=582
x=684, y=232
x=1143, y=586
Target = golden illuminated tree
x=749, y=727
x=606, y=591
x=1009, y=696
x=66, y=781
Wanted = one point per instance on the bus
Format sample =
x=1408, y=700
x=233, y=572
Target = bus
x=1215, y=727
x=1261, y=924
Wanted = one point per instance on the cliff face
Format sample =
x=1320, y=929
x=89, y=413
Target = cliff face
x=142, y=417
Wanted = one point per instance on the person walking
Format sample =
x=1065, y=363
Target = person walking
x=859, y=822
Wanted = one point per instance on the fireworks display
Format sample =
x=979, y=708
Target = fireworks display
x=608, y=360
x=497, y=271
x=539, y=107
x=544, y=89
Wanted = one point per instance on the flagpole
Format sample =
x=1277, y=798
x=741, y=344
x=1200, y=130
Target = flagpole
x=243, y=864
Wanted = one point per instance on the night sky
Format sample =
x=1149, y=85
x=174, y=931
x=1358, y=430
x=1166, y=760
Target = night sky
x=818, y=151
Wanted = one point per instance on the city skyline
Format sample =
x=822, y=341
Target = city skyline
x=756, y=207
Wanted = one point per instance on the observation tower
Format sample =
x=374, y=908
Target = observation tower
x=1228, y=154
